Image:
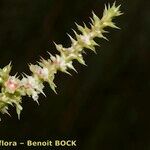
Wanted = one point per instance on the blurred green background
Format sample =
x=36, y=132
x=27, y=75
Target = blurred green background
x=106, y=106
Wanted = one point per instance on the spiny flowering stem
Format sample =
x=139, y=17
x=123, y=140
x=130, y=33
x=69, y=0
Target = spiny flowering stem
x=13, y=88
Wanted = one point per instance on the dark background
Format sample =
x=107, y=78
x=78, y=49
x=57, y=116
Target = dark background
x=106, y=106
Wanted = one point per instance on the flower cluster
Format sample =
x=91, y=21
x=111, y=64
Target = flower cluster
x=13, y=88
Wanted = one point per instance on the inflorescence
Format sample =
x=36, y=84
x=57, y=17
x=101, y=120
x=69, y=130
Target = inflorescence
x=13, y=88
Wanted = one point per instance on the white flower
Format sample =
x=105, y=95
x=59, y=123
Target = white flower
x=31, y=82
x=86, y=39
x=59, y=62
x=41, y=72
x=12, y=84
x=32, y=87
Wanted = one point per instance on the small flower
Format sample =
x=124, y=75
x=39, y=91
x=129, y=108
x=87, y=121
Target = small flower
x=12, y=84
x=31, y=82
x=32, y=87
x=40, y=72
x=86, y=39
x=62, y=63
x=59, y=62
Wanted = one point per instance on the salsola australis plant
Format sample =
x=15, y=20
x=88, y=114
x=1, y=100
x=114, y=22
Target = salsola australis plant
x=13, y=88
